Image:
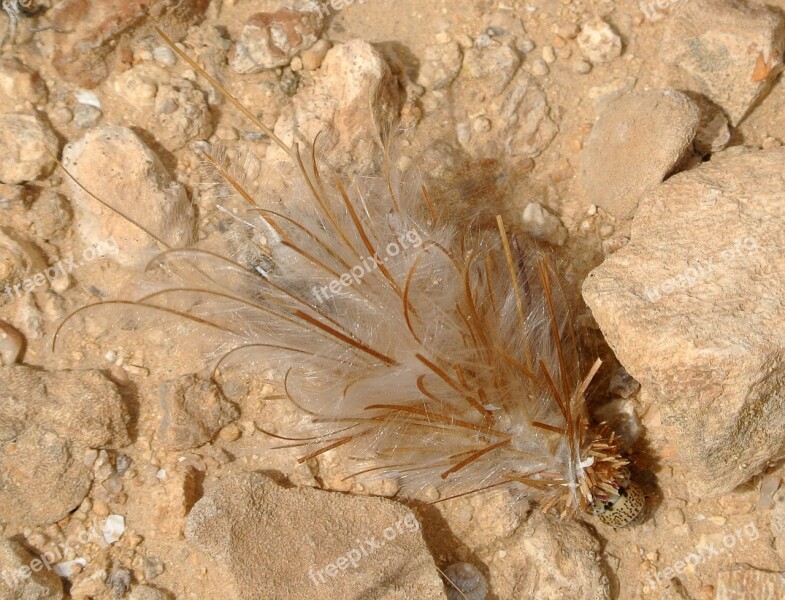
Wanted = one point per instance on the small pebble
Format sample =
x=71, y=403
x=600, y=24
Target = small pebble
x=86, y=116
x=540, y=67
x=11, y=344
x=61, y=116
x=598, y=42
x=549, y=54
x=313, y=57
x=165, y=56
x=471, y=583
x=481, y=125
x=581, y=66
x=676, y=517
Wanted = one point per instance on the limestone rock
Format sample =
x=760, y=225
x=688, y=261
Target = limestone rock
x=173, y=107
x=271, y=40
x=29, y=147
x=194, y=411
x=95, y=31
x=692, y=307
x=598, y=42
x=354, y=90
x=346, y=546
x=19, y=83
x=146, y=592
x=542, y=225
x=25, y=577
x=12, y=343
x=728, y=50
x=749, y=583
x=548, y=558
x=441, y=64
x=634, y=145
x=129, y=176
x=48, y=472
x=48, y=420
x=492, y=87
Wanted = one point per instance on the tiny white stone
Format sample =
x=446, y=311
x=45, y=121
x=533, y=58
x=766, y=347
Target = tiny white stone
x=67, y=568
x=89, y=98
x=114, y=528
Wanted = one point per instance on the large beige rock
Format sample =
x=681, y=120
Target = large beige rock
x=693, y=308
x=634, y=145
x=48, y=422
x=343, y=546
x=117, y=166
x=728, y=50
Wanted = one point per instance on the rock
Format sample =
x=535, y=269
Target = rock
x=11, y=344
x=441, y=65
x=713, y=132
x=749, y=583
x=25, y=577
x=173, y=107
x=271, y=40
x=689, y=306
x=634, y=145
x=86, y=116
x=146, y=592
x=469, y=581
x=492, y=85
x=48, y=420
x=598, y=42
x=542, y=225
x=346, y=547
x=114, y=162
x=29, y=147
x=194, y=411
x=19, y=83
x=353, y=91
x=80, y=406
x=729, y=51
x=314, y=56
x=49, y=216
x=96, y=31
x=547, y=558
x=47, y=471
x=20, y=261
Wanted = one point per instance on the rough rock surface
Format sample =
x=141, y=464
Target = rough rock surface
x=19, y=83
x=29, y=147
x=692, y=309
x=548, y=558
x=730, y=51
x=129, y=176
x=48, y=421
x=598, y=42
x=353, y=83
x=236, y=521
x=752, y=583
x=634, y=145
x=25, y=577
x=194, y=410
x=174, y=107
x=89, y=32
x=271, y=40
x=503, y=108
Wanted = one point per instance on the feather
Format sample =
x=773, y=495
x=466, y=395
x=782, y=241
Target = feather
x=440, y=353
